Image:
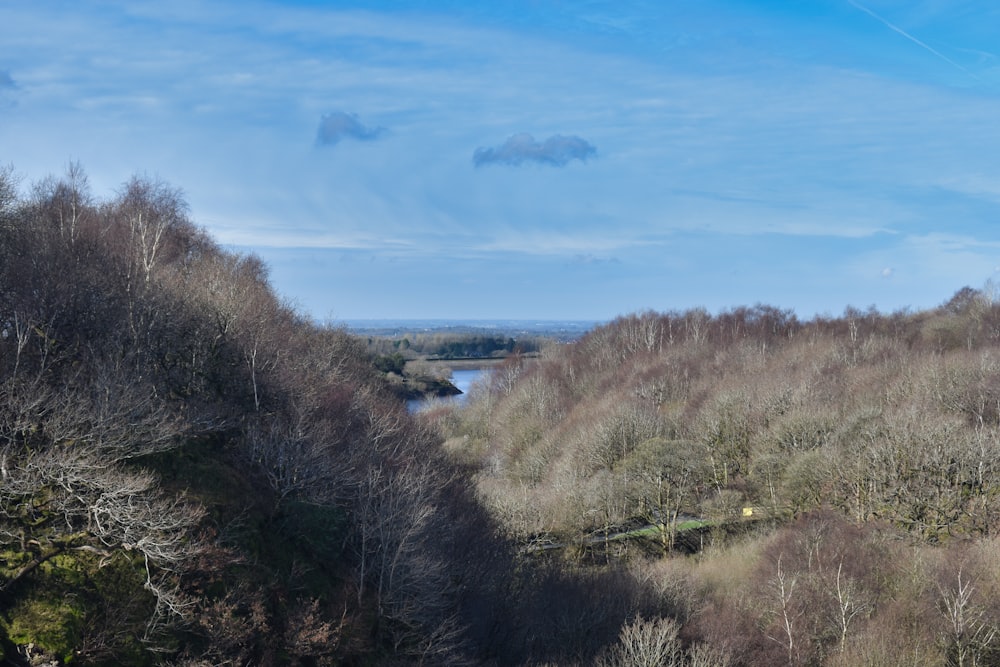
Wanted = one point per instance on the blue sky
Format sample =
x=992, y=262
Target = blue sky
x=539, y=158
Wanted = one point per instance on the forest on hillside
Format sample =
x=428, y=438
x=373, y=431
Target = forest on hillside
x=841, y=472
x=194, y=473
x=191, y=472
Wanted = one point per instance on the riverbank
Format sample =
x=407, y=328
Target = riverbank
x=417, y=387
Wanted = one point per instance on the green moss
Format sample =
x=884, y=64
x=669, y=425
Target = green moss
x=12, y=560
x=77, y=598
x=51, y=623
x=71, y=570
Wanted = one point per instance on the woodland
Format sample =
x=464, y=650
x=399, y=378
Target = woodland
x=447, y=345
x=192, y=472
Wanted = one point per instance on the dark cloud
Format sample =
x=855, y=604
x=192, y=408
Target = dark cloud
x=557, y=150
x=341, y=125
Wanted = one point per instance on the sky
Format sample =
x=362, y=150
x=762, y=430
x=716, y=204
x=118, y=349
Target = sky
x=538, y=159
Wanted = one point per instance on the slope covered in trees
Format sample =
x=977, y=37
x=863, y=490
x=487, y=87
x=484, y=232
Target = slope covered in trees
x=190, y=470
x=193, y=473
x=849, y=467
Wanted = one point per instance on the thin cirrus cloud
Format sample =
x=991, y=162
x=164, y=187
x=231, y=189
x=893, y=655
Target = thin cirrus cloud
x=557, y=151
x=334, y=127
x=8, y=90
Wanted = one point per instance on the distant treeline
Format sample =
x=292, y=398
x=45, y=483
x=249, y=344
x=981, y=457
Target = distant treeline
x=444, y=345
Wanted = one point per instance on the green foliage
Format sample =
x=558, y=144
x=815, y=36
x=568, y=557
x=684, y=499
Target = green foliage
x=390, y=363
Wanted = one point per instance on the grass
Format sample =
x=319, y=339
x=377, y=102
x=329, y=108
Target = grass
x=653, y=531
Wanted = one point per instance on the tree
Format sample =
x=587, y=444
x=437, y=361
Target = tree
x=818, y=582
x=62, y=501
x=970, y=632
x=647, y=643
x=413, y=591
x=725, y=430
x=153, y=212
x=8, y=193
x=65, y=203
x=664, y=477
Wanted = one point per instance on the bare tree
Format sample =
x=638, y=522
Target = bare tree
x=293, y=460
x=398, y=524
x=8, y=191
x=151, y=209
x=63, y=499
x=66, y=203
x=647, y=643
x=788, y=610
x=852, y=603
x=970, y=633
x=662, y=481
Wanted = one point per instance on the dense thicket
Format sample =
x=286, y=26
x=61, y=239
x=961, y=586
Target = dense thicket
x=860, y=453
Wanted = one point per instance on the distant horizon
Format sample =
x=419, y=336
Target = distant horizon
x=459, y=321
x=522, y=322
x=503, y=326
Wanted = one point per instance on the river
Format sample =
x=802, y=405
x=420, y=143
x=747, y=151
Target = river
x=463, y=379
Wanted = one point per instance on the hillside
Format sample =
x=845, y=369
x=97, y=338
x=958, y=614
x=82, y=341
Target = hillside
x=857, y=456
x=193, y=473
